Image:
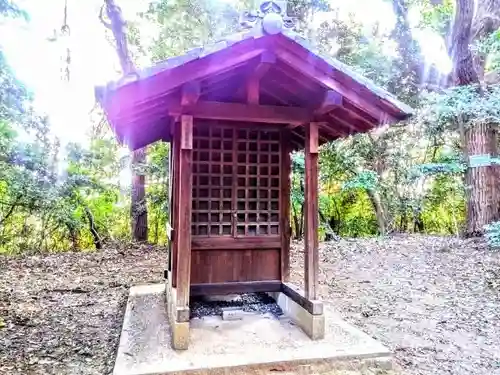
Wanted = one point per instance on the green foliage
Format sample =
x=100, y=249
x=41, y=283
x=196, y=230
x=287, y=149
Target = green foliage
x=467, y=104
x=492, y=232
x=437, y=16
x=10, y=9
x=432, y=169
x=158, y=191
x=404, y=178
x=366, y=180
x=490, y=46
x=188, y=24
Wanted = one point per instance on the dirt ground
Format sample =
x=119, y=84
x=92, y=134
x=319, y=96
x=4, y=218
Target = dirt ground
x=434, y=301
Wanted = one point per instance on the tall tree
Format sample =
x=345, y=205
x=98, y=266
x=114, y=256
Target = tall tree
x=479, y=138
x=138, y=209
x=486, y=22
x=410, y=62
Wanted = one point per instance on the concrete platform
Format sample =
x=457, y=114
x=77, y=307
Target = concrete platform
x=257, y=344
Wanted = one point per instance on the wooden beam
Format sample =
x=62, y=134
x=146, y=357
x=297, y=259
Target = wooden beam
x=198, y=69
x=143, y=110
x=235, y=243
x=183, y=230
x=325, y=126
x=331, y=100
x=357, y=118
x=280, y=94
x=208, y=82
x=175, y=203
x=311, y=211
x=235, y=287
x=267, y=59
x=351, y=129
x=314, y=73
x=171, y=213
x=312, y=138
x=290, y=91
x=365, y=116
x=285, y=170
x=274, y=96
x=293, y=126
x=190, y=93
x=244, y=112
x=297, y=295
x=253, y=91
x=291, y=74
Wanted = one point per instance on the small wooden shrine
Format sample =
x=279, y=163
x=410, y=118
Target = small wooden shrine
x=233, y=112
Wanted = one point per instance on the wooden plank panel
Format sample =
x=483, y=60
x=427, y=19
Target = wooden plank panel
x=265, y=265
x=184, y=212
x=311, y=211
x=219, y=266
x=285, y=205
x=235, y=287
x=236, y=243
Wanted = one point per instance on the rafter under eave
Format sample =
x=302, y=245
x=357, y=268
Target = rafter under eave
x=330, y=83
x=266, y=60
x=244, y=112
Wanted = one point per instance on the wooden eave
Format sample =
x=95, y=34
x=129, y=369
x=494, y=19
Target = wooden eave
x=296, y=86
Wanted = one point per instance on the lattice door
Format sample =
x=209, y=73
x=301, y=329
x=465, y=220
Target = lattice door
x=236, y=183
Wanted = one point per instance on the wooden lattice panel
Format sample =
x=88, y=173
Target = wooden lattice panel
x=236, y=183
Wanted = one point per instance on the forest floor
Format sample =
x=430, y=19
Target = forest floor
x=434, y=301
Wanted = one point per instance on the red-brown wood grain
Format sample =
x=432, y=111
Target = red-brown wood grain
x=311, y=211
x=184, y=212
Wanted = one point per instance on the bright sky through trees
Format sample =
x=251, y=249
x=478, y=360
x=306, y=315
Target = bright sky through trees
x=39, y=62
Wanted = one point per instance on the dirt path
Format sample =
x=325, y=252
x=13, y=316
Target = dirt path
x=434, y=301
x=63, y=313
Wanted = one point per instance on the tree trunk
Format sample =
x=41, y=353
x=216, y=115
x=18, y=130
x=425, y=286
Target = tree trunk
x=486, y=21
x=418, y=221
x=301, y=222
x=379, y=211
x=480, y=139
x=156, y=231
x=482, y=203
x=296, y=223
x=138, y=212
x=117, y=26
x=93, y=229
x=73, y=234
x=138, y=207
x=403, y=211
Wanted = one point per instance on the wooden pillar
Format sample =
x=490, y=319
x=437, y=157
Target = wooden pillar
x=175, y=200
x=183, y=230
x=311, y=211
x=285, y=167
x=171, y=214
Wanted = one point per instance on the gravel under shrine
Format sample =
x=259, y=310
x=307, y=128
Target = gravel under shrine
x=201, y=306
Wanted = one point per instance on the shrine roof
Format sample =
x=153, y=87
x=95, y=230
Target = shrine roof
x=141, y=107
